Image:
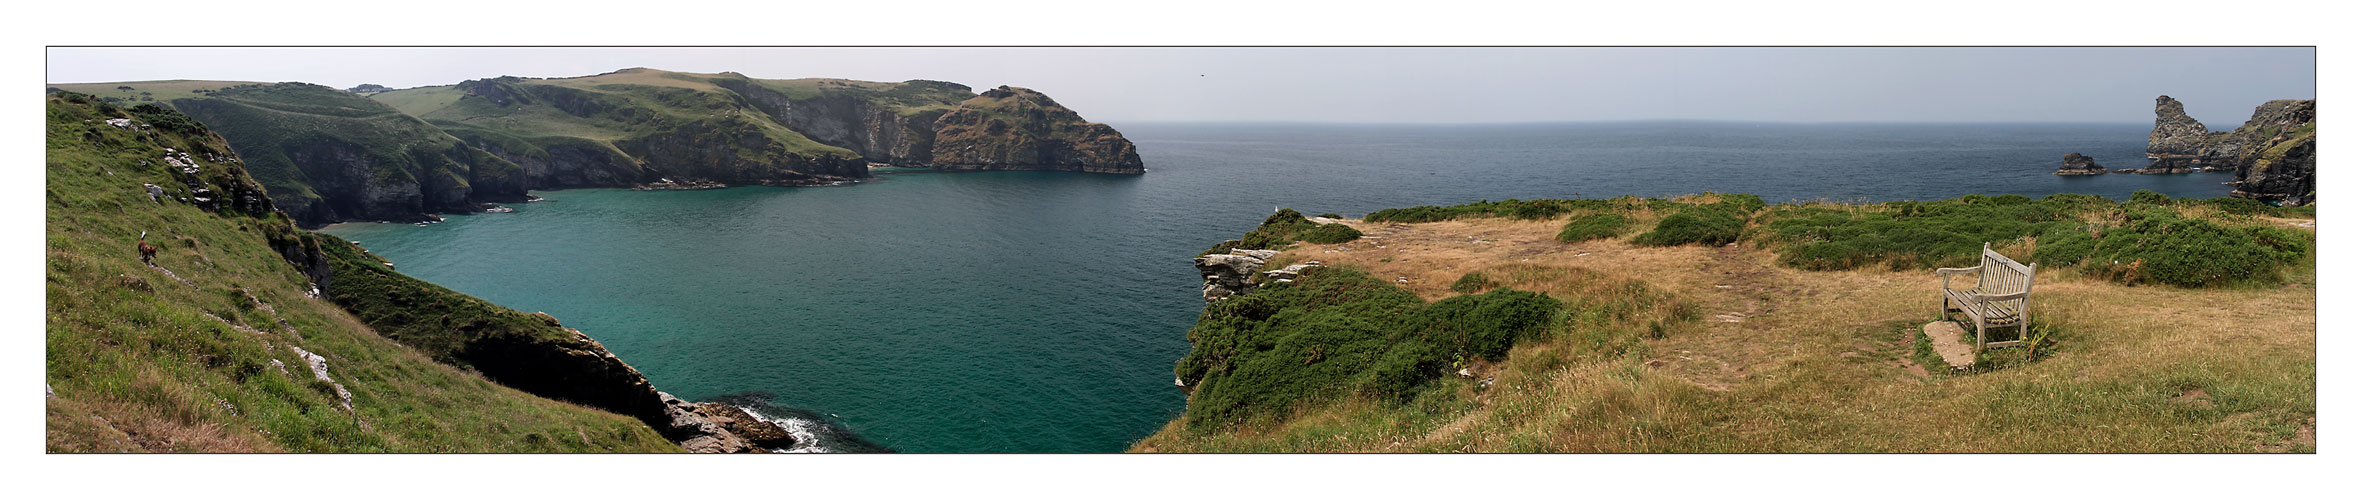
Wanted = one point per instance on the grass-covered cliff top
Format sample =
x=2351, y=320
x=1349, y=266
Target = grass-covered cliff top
x=633, y=102
x=1718, y=323
x=200, y=352
x=271, y=123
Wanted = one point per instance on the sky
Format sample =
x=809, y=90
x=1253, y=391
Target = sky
x=2220, y=86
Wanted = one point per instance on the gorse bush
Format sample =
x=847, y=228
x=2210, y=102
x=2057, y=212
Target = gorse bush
x=1284, y=227
x=1471, y=282
x=1716, y=223
x=2156, y=246
x=1337, y=332
x=1594, y=226
x=1329, y=234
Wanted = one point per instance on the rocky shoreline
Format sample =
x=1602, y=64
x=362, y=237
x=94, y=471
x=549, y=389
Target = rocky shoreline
x=2272, y=153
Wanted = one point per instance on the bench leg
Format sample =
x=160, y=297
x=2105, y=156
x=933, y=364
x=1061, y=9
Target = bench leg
x=1980, y=335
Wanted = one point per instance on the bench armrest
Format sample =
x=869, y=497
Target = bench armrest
x=1956, y=270
x=1994, y=297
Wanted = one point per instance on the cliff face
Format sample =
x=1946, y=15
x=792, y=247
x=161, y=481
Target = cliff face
x=2271, y=152
x=873, y=129
x=2176, y=134
x=1011, y=128
x=328, y=155
x=731, y=129
x=941, y=125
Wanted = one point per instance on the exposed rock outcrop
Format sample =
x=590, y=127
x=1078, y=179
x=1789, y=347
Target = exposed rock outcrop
x=718, y=428
x=2176, y=134
x=2284, y=174
x=2077, y=164
x=2179, y=144
x=1010, y=128
x=1233, y=273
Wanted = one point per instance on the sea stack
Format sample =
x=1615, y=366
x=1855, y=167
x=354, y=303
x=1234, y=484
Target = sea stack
x=2077, y=164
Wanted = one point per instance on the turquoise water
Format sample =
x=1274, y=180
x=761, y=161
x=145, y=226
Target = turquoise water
x=1042, y=312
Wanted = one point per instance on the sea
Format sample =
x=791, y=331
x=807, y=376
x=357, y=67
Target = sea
x=1042, y=312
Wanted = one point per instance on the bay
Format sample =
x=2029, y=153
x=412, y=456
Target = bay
x=1043, y=311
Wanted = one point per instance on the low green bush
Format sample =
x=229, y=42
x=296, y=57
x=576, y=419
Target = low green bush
x=1330, y=234
x=1336, y=332
x=1594, y=226
x=1471, y=283
x=2158, y=247
x=1284, y=227
x=1712, y=224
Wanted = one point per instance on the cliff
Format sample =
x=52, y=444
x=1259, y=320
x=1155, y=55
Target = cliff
x=2271, y=152
x=329, y=155
x=1011, y=128
x=732, y=129
x=242, y=332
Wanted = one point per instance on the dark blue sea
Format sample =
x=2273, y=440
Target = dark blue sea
x=1043, y=311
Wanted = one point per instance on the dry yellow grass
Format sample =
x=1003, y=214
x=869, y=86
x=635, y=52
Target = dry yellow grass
x=1784, y=360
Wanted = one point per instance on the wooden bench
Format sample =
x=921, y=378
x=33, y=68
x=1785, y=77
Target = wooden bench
x=1999, y=299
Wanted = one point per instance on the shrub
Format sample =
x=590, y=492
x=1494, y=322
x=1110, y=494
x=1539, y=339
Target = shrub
x=1336, y=332
x=2156, y=246
x=2236, y=206
x=1710, y=224
x=1471, y=283
x=1328, y=234
x=2147, y=197
x=167, y=119
x=1284, y=227
x=1594, y=226
x=1485, y=325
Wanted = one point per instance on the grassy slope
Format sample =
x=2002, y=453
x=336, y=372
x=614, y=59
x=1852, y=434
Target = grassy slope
x=904, y=98
x=138, y=365
x=272, y=119
x=636, y=102
x=1742, y=353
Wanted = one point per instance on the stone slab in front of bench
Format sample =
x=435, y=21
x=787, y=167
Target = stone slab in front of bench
x=1945, y=337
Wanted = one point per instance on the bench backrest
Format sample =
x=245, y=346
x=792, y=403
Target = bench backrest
x=1999, y=274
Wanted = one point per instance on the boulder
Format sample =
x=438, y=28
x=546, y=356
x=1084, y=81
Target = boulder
x=696, y=432
x=2077, y=164
x=751, y=428
x=1231, y=273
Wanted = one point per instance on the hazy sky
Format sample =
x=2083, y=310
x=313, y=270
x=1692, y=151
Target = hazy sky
x=2220, y=86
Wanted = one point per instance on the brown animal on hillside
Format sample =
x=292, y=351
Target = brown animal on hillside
x=146, y=252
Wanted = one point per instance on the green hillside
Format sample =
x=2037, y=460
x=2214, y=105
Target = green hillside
x=211, y=349
x=328, y=155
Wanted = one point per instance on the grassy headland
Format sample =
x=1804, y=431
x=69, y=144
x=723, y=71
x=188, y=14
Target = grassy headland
x=1715, y=323
x=204, y=351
